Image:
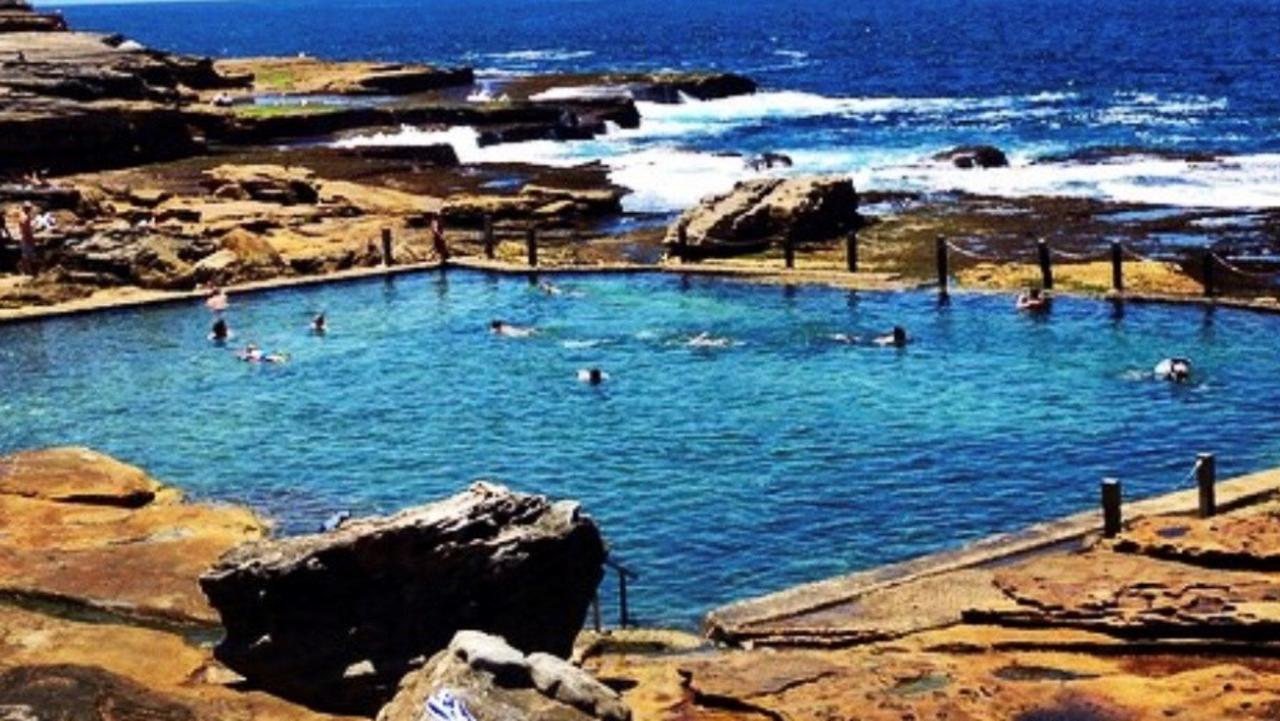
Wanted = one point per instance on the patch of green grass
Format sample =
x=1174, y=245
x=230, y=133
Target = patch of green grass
x=275, y=79
x=276, y=111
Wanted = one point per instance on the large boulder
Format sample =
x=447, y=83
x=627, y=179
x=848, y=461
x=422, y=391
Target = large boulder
x=492, y=680
x=762, y=211
x=335, y=620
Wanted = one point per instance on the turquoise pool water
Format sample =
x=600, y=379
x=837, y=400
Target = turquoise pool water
x=717, y=473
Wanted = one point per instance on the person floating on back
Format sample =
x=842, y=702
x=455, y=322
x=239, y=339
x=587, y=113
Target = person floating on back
x=219, y=333
x=1175, y=370
x=897, y=338
x=706, y=340
x=503, y=328
x=1032, y=301
x=319, y=326
x=253, y=354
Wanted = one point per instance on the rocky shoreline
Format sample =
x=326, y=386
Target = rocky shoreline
x=104, y=615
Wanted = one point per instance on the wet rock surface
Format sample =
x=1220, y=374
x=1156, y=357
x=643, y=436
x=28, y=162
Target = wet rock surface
x=975, y=156
x=765, y=211
x=495, y=681
x=397, y=589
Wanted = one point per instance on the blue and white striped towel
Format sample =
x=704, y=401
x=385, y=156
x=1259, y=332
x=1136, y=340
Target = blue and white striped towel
x=444, y=706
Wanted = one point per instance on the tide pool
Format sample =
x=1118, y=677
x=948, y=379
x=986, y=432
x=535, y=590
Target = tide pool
x=715, y=472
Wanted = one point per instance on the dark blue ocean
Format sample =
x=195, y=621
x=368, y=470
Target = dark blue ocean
x=873, y=88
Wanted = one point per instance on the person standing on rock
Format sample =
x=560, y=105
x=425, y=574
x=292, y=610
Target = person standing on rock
x=437, y=237
x=27, y=239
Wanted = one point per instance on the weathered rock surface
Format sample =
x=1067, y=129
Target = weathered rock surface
x=495, y=681
x=975, y=156
x=1249, y=541
x=762, y=211
x=17, y=16
x=83, y=527
x=1134, y=596
x=302, y=75
x=534, y=201
x=396, y=589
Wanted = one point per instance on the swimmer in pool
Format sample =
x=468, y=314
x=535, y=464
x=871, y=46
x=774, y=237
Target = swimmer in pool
x=319, y=326
x=1032, y=301
x=219, y=333
x=896, y=339
x=844, y=338
x=706, y=340
x=1176, y=370
x=503, y=328
x=217, y=300
x=254, y=354
x=592, y=376
x=549, y=289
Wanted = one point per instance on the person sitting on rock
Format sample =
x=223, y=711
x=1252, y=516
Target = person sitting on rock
x=1032, y=301
x=438, y=243
x=503, y=328
x=897, y=338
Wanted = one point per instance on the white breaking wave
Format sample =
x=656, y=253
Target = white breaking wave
x=556, y=54
x=664, y=175
x=581, y=92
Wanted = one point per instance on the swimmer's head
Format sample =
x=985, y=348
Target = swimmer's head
x=1034, y=294
x=899, y=335
x=496, y=324
x=595, y=376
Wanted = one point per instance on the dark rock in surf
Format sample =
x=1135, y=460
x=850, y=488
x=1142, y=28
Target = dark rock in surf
x=975, y=156
x=336, y=620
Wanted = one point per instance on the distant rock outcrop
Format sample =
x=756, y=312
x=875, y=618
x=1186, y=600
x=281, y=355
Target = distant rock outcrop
x=492, y=680
x=16, y=16
x=335, y=620
x=762, y=211
x=975, y=156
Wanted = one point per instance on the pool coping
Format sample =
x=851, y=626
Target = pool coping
x=830, y=277
x=762, y=619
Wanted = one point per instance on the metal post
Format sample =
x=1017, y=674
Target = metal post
x=1207, y=272
x=1046, y=264
x=622, y=598
x=943, y=273
x=488, y=237
x=387, y=258
x=789, y=252
x=1206, y=476
x=1117, y=267
x=851, y=251
x=1111, y=518
x=531, y=244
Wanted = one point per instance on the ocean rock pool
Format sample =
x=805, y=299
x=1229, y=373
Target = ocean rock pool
x=716, y=473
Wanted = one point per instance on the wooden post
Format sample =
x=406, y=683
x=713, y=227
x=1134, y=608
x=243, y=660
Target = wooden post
x=943, y=273
x=1111, y=517
x=622, y=598
x=1117, y=267
x=489, y=245
x=1207, y=271
x=851, y=251
x=789, y=252
x=387, y=258
x=595, y=612
x=531, y=245
x=1206, y=476
x=1046, y=264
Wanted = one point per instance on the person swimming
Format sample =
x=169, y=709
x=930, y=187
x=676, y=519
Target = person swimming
x=549, y=289
x=1032, y=301
x=219, y=333
x=253, y=354
x=896, y=338
x=1176, y=370
x=503, y=328
x=843, y=338
x=592, y=376
x=706, y=340
x=319, y=326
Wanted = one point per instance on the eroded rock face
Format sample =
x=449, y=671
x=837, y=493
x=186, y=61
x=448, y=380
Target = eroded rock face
x=84, y=527
x=495, y=681
x=763, y=211
x=83, y=693
x=335, y=620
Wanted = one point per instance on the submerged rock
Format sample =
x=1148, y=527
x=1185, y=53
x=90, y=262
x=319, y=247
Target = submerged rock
x=335, y=620
x=495, y=681
x=762, y=211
